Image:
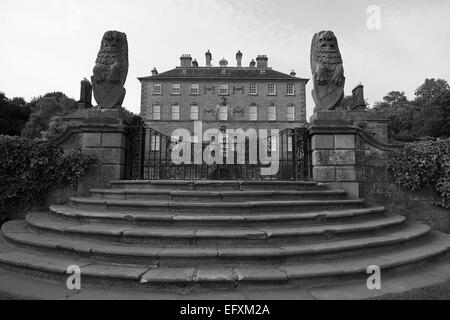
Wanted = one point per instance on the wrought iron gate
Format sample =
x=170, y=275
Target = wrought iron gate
x=149, y=157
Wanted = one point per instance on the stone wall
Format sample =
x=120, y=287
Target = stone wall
x=377, y=186
x=349, y=158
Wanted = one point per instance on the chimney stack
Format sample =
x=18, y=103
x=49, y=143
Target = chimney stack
x=252, y=64
x=293, y=74
x=208, y=57
x=261, y=62
x=186, y=60
x=359, y=103
x=154, y=72
x=85, y=94
x=239, y=58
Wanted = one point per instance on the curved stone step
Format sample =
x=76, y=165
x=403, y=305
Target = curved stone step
x=199, y=220
x=207, y=236
x=199, y=185
x=149, y=275
x=184, y=235
x=215, y=196
x=216, y=207
x=16, y=233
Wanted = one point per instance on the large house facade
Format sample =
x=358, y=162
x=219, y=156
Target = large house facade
x=223, y=97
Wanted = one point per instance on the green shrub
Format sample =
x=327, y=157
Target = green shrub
x=443, y=183
x=424, y=163
x=29, y=168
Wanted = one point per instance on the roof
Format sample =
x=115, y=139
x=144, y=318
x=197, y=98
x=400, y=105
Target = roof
x=217, y=73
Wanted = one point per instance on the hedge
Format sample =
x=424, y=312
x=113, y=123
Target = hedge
x=424, y=163
x=29, y=168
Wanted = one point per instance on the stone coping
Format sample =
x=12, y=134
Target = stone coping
x=87, y=128
x=349, y=129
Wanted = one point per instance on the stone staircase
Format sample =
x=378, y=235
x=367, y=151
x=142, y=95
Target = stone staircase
x=210, y=235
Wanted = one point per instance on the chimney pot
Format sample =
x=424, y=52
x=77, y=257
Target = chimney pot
x=252, y=64
x=239, y=58
x=208, y=57
x=293, y=74
x=154, y=72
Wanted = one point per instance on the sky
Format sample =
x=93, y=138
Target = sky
x=51, y=45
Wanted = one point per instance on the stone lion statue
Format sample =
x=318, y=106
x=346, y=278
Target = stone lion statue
x=327, y=71
x=111, y=70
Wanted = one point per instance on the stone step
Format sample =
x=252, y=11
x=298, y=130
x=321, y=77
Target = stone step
x=151, y=275
x=17, y=233
x=281, y=206
x=43, y=222
x=205, y=185
x=216, y=196
x=19, y=284
x=201, y=220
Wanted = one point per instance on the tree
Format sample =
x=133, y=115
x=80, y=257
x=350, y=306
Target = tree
x=399, y=111
x=428, y=115
x=431, y=90
x=44, y=109
x=14, y=113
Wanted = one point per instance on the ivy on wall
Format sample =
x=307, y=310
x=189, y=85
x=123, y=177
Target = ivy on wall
x=423, y=163
x=29, y=168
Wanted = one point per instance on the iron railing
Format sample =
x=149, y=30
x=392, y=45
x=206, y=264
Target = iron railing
x=149, y=157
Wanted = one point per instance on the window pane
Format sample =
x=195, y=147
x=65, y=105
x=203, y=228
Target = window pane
x=272, y=114
x=194, y=112
x=271, y=89
x=156, y=143
x=194, y=89
x=253, y=88
x=290, y=89
x=289, y=142
x=175, y=112
x=223, y=89
x=274, y=144
x=176, y=89
x=291, y=113
x=157, y=89
x=253, y=113
x=156, y=112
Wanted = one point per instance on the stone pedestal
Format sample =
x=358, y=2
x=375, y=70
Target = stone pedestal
x=334, y=157
x=101, y=133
